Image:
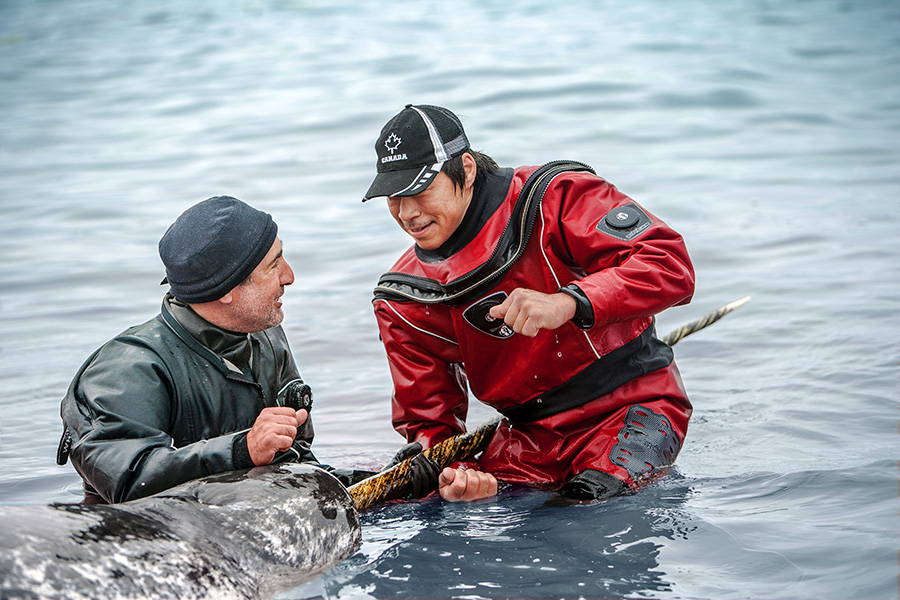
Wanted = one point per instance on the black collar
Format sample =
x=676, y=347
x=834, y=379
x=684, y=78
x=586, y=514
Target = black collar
x=229, y=345
x=486, y=199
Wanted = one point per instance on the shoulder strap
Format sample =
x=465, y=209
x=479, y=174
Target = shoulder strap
x=412, y=288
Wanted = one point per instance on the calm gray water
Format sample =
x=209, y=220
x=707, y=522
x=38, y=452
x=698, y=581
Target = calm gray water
x=766, y=132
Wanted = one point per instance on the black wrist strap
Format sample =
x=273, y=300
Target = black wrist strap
x=240, y=454
x=584, y=310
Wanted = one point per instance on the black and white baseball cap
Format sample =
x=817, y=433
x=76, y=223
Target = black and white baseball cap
x=412, y=148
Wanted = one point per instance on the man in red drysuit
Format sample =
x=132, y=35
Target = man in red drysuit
x=538, y=287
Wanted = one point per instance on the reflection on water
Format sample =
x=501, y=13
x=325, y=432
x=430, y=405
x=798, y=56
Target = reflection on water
x=764, y=132
x=513, y=547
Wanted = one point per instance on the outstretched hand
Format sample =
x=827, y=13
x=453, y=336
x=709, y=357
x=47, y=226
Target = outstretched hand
x=273, y=431
x=459, y=485
x=529, y=311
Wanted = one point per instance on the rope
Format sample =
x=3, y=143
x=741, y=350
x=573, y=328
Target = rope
x=703, y=322
x=394, y=484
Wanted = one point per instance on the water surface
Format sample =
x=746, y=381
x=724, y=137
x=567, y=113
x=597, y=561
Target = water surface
x=765, y=132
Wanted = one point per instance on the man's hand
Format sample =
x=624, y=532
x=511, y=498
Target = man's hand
x=273, y=432
x=458, y=485
x=528, y=311
x=423, y=472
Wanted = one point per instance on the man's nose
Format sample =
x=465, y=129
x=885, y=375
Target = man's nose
x=409, y=209
x=287, y=274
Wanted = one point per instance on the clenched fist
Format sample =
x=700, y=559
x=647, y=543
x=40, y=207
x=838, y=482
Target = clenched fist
x=458, y=485
x=529, y=311
x=273, y=432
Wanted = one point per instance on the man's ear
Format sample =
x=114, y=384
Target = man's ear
x=227, y=298
x=470, y=169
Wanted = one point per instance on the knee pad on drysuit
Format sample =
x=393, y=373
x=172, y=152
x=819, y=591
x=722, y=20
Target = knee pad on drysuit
x=647, y=442
x=591, y=484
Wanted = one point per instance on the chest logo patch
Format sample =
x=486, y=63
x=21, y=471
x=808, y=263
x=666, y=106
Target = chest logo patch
x=625, y=222
x=479, y=317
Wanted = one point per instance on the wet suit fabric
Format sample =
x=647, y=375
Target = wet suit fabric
x=153, y=407
x=628, y=264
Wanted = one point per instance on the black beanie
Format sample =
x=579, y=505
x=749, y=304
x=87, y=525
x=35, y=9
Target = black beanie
x=213, y=246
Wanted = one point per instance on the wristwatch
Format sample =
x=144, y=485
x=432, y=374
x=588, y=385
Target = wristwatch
x=584, y=311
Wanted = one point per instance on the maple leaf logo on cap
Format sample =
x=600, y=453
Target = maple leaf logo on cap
x=392, y=142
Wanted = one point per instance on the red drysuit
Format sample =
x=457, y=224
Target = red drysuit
x=609, y=381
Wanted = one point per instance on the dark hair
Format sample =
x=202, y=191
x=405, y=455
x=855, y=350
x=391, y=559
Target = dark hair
x=456, y=172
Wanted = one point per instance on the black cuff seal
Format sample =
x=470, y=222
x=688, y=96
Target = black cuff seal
x=592, y=484
x=584, y=310
x=240, y=454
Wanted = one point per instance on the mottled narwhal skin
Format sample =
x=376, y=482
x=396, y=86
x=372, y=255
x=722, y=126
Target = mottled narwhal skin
x=246, y=534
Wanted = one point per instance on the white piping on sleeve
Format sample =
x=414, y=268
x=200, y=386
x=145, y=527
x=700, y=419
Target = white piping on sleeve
x=417, y=328
x=556, y=279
